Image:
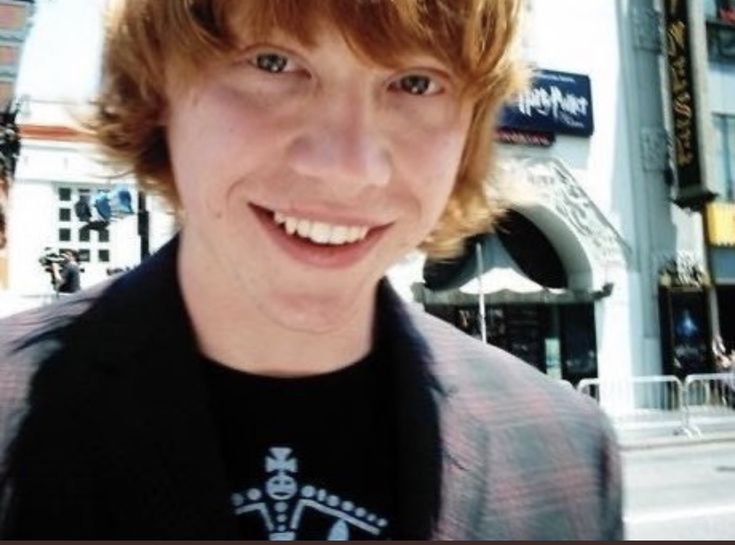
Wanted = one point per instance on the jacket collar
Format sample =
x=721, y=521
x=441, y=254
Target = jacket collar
x=429, y=351
x=145, y=343
x=418, y=445
x=143, y=353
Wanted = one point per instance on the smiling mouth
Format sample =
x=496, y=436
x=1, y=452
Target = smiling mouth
x=318, y=243
x=318, y=232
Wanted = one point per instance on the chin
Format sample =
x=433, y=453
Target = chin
x=314, y=314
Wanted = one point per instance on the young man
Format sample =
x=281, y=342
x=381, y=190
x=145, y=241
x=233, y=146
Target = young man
x=258, y=378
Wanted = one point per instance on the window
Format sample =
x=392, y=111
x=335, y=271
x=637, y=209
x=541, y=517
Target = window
x=76, y=233
x=719, y=9
x=64, y=194
x=720, y=15
x=711, y=8
x=724, y=126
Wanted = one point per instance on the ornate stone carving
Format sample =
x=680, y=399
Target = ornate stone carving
x=647, y=25
x=683, y=270
x=655, y=148
x=557, y=190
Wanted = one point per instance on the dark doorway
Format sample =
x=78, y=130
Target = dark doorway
x=726, y=310
x=685, y=331
x=558, y=340
x=531, y=250
x=578, y=342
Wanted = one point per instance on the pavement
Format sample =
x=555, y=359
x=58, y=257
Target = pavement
x=11, y=304
x=682, y=492
x=673, y=435
x=661, y=441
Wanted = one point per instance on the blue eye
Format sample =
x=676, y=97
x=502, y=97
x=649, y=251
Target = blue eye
x=271, y=62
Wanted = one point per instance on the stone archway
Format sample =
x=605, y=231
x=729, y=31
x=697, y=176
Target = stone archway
x=585, y=240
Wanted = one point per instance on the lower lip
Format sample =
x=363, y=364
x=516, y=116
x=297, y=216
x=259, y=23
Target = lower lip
x=324, y=256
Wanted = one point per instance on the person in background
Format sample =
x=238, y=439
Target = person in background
x=723, y=358
x=66, y=275
x=258, y=377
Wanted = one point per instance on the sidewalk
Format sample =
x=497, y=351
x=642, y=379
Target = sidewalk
x=651, y=438
x=11, y=303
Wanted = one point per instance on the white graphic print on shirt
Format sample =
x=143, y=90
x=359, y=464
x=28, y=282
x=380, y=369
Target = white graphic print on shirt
x=283, y=502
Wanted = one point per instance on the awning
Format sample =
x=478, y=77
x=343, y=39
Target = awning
x=504, y=283
x=504, y=276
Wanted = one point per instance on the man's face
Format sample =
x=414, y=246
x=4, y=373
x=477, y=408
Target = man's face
x=305, y=173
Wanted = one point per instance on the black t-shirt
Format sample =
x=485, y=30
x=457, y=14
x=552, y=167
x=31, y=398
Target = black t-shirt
x=307, y=458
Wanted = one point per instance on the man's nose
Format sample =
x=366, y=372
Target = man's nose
x=340, y=144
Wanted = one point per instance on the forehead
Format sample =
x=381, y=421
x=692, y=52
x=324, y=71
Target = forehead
x=382, y=31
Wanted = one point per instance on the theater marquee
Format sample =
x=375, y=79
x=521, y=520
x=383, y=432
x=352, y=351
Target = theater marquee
x=688, y=159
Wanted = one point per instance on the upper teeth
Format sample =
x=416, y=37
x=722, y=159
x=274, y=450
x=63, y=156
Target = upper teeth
x=319, y=232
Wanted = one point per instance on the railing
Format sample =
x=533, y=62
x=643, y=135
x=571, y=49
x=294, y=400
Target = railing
x=700, y=403
x=639, y=402
x=709, y=400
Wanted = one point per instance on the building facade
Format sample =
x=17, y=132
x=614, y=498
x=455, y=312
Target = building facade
x=58, y=168
x=719, y=23
x=588, y=156
x=15, y=21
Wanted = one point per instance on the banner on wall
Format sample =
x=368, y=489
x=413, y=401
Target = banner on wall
x=688, y=161
x=556, y=103
x=721, y=224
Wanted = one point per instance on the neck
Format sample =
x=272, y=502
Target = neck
x=233, y=331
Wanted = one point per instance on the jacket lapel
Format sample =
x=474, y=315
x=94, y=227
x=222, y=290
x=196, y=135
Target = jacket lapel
x=436, y=431
x=154, y=439
x=416, y=434
x=141, y=413
x=172, y=412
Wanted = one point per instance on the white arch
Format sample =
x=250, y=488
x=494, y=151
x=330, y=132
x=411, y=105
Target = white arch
x=588, y=245
x=577, y=264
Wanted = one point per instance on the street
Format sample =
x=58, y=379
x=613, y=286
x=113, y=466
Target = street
x=680, y=492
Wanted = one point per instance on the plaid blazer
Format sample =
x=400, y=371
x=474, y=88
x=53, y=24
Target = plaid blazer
x=105, y=432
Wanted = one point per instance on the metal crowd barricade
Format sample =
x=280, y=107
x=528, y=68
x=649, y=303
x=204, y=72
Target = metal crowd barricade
x=640, y=403
x=710, y=402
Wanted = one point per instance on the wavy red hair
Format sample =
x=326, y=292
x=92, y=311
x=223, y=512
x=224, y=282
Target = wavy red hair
x=150, y=40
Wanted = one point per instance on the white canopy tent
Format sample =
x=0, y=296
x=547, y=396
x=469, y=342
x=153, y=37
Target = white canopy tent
x=504, y=277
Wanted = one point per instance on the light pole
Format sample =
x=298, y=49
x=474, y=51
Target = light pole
x=143, y=226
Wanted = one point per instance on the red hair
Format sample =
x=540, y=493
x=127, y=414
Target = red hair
x=148, y=40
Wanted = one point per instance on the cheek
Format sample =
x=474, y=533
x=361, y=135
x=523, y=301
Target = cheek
x=217, y=140
x=432, y=170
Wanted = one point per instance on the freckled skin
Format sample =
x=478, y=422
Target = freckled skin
x=328, y=133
